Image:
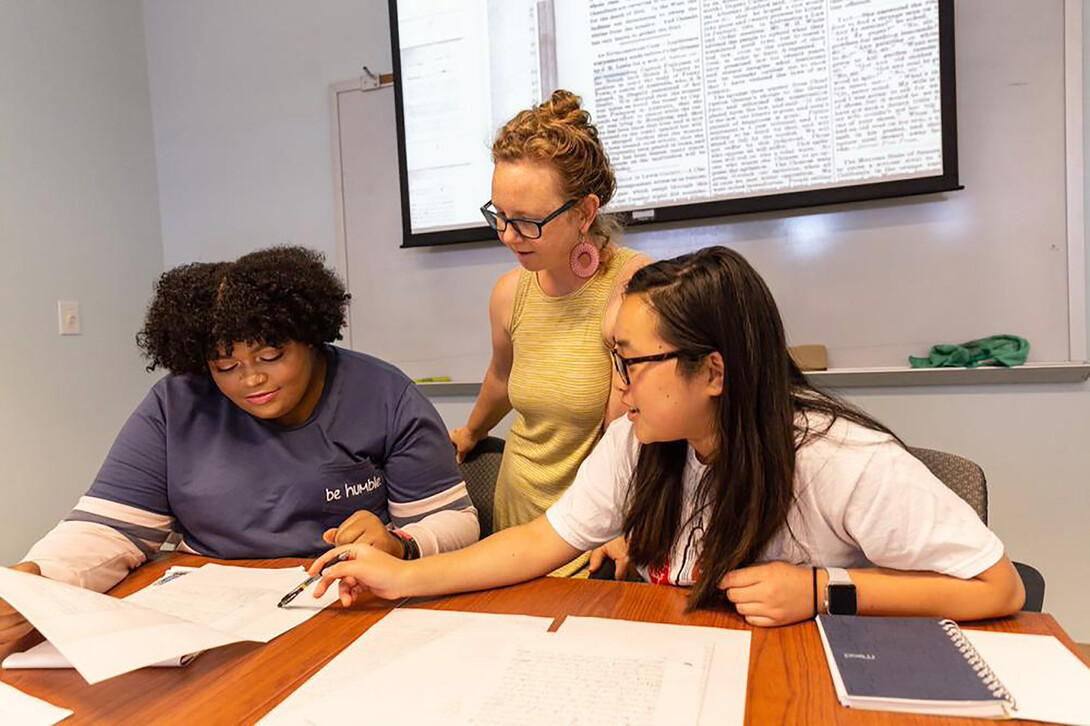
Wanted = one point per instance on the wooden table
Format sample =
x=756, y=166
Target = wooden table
x=788, y=679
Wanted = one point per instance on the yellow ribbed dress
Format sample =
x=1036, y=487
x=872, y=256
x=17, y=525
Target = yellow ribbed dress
x=559, y=386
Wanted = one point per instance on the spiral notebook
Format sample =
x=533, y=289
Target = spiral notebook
x=930, y=666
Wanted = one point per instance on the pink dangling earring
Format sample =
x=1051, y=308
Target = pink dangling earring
x=584, y=259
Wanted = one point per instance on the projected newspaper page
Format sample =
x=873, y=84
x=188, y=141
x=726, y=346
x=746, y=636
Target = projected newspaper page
x=695, y=100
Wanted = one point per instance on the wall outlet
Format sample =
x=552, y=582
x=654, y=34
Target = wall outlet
x=68, y=317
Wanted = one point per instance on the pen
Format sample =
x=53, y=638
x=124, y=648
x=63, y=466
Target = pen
x=311, y=580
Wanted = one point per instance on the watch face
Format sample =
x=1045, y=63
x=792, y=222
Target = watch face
x=841, y=599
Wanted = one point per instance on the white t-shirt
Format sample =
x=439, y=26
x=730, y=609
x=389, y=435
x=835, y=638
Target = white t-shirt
x=861, y=500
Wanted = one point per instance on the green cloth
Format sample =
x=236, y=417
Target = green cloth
x=998, y=350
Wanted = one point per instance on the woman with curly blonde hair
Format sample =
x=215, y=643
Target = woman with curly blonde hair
x=551, y=317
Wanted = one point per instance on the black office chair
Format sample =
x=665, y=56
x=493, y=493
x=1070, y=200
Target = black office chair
x=480, y=468
x=967, y=480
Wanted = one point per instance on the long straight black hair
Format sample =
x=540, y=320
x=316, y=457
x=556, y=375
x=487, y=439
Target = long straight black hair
x=713, y=300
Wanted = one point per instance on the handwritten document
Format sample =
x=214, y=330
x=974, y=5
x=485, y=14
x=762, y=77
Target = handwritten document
x=425, y=667
x=397, y=637
x=17, y=707
x=725, y=697
x=572, y=679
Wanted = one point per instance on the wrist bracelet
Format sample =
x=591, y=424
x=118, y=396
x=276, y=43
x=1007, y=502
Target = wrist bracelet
x=410, y=550
x=813, y=575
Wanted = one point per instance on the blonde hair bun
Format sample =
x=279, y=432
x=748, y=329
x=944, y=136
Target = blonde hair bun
x=566, y=107
x=559, y=131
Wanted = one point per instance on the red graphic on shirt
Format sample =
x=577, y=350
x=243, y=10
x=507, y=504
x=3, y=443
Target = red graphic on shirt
x=696, y=572
x=659, y=575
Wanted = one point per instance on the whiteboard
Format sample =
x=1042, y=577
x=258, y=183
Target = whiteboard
x=874, y=282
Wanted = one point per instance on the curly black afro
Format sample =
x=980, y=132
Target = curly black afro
x=271, y=296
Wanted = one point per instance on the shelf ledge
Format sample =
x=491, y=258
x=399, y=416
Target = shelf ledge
x=1071, y=372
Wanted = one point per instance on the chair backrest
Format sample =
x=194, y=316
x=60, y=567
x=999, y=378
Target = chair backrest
x=480, y=468
x=964, y=477
x=967, y=480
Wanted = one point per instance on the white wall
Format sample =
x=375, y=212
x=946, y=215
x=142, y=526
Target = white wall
x=78, y=220
x=240, y=98
x=1032, y=441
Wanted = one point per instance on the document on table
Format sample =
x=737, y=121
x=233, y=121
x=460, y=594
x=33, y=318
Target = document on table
x=237, y=600
x=25, y=710
x=1048, y=682
x=728, y=673
x=45, y=655
x=572, y=679
x=103, y=637
x=400, y=634
x=488, y=672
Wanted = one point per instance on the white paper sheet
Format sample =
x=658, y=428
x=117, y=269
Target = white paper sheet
x=17, y=707
x=100, y=635
x=595, y=681
x=725, y=694
x=399, y=635
x=238, y=600
x=46, y=656
x=491, y=674
x=1046, y=679
x=103, y=637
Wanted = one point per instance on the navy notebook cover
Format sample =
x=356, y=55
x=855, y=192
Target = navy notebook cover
x=912, y=658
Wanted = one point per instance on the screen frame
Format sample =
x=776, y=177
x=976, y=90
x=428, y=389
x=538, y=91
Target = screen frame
x=945, y=182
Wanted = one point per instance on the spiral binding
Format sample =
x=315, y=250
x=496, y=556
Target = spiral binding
x=982, y=669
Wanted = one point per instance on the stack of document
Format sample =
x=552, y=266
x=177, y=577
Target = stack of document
x=164, y=624
x=426, y=666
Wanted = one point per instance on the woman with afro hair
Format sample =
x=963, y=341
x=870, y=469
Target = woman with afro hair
x=264, y=441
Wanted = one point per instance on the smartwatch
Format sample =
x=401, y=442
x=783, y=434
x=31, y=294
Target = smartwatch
x=839, y=592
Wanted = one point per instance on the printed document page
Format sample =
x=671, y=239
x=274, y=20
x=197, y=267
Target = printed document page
x=725, y=695
x=17, y=707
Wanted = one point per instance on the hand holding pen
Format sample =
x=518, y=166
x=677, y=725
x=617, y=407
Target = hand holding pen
x=344, y=555
x=366, y=570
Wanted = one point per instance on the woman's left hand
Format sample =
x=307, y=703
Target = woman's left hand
x=769, y=594
x=363, y=527
x=616, y=550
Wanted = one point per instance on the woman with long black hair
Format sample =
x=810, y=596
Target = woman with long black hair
x=733, y=475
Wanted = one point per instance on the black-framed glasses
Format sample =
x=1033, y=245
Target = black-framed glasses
x=622, y=364
x=527, y=228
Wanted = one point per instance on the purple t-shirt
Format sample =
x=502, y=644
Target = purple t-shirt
x=241, y=487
